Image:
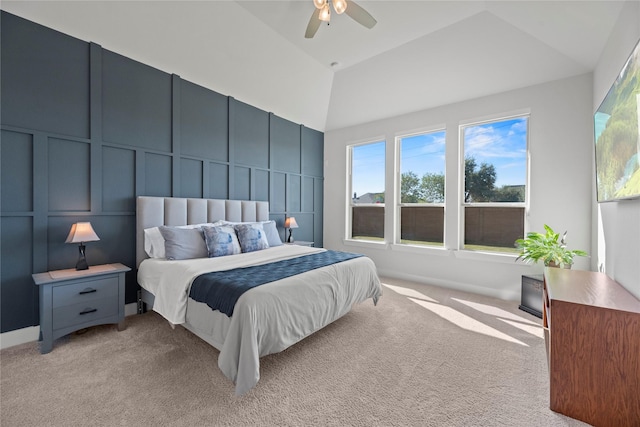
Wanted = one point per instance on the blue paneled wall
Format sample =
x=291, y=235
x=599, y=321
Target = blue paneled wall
x=86, y=130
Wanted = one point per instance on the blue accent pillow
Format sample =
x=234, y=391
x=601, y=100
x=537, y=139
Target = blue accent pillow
x=252, y=237
x=221, y=241
x=270, y=229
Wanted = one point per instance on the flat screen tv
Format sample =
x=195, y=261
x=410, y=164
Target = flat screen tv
x=617, y=135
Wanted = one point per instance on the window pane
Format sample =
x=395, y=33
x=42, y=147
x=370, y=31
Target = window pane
x=422, y=225
x=367, y=172
x=495, y=161
x=495, y=171
x=422, y=164
x=422, y=168
x=367, y=222
x=367, y=187
x=493, y=228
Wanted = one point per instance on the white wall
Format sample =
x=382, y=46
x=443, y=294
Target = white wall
x=620, y=230
x=561, y=145
x=486, y=53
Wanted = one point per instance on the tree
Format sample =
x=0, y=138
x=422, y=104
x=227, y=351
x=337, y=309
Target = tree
x=509, y=193
x=433, y=187
x=469, y=168
x=428, y=189
x=478, y=185
x=410, y=189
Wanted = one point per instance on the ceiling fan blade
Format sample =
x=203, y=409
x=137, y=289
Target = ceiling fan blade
x=358, y=14
x=314, y=24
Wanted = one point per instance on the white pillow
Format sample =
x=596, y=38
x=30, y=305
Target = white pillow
x=154, y=242
x=273, y=237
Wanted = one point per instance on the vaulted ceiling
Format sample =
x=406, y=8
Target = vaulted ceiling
x=421, y=54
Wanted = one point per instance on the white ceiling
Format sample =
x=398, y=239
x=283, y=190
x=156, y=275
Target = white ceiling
x=421, y=54
x=577, y=29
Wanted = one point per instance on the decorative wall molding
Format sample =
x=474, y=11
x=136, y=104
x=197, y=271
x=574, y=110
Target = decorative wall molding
x=86, y=130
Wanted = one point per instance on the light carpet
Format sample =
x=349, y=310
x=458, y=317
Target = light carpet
x=427, y=356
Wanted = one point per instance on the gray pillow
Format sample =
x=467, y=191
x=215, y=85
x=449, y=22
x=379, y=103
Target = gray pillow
x=183, y=243
x=272, y=233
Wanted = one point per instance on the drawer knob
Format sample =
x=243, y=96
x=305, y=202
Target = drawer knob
x=88, y=291
x=88, y=310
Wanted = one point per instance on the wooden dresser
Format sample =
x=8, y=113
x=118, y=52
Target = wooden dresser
x=592, y=334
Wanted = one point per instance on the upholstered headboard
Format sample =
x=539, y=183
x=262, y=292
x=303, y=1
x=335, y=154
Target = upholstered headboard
x=157, y=211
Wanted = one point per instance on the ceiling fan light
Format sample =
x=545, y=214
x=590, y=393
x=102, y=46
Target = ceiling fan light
x=325, y=13
x=319, y=3
x=339, y=6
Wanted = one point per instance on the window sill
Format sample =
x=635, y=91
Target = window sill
x=503, y=258
x=488, y=256
x=365, y=244
x=430, y=250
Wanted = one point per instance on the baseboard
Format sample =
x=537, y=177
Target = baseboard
x=19, y=336
x=130, y=309
x=504, y=294
x=32, y=333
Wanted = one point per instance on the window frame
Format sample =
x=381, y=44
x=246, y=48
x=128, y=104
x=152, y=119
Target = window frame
x=348, y=232
x=454, y=206
x=397, y=235
x=497, y=254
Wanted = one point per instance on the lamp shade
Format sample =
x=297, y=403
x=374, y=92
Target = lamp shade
x=81, y=232
x=339, y=6
x=325, y=13
x=290, y=222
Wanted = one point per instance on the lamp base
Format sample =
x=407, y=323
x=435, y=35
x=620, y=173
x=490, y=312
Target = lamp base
x=82, y=261
x=290, y=239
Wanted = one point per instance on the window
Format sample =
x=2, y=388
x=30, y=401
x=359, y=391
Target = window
x=495, y=183
x=367, y=184
x=422, y=180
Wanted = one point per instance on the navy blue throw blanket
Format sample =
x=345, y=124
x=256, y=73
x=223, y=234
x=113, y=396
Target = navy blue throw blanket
x=221, y=289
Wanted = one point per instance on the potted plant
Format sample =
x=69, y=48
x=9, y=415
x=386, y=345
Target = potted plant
x=552, y=251
x=548, y=248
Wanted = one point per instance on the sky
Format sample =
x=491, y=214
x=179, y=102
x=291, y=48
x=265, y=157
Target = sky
x=367, y=168
x=503, y=144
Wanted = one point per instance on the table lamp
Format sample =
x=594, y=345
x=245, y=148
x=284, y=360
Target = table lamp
x=82, y=232
x=290, y=223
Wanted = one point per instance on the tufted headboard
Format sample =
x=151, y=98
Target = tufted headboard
x=157, y=211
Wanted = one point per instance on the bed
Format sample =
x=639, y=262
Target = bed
x=265, y=319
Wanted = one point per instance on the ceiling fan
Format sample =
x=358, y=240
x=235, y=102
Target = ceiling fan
x=323, y=14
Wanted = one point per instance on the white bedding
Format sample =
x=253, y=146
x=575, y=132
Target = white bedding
x=269, y=318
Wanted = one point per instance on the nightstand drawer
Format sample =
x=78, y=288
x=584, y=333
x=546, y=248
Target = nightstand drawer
x=85, y=291
x=82, y=312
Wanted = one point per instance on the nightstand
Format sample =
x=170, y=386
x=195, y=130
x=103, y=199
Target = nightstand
x=301, y=243
x=71, y=300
